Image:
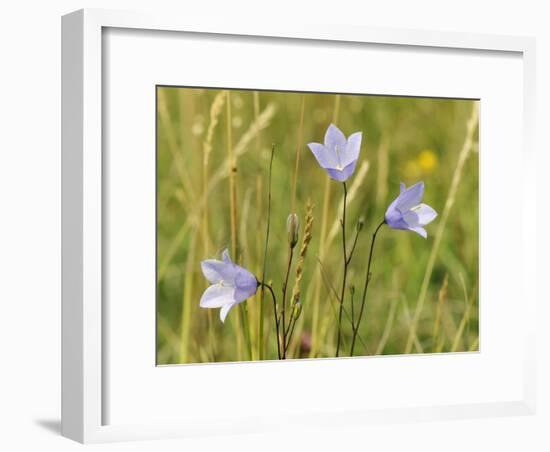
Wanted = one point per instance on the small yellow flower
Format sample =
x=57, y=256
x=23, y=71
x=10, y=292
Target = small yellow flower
x=427, y=160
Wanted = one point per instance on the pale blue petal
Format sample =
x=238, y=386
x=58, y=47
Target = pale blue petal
x=245, y=285
x=419, y=215
x=425, y=214
x=336, y=174
x=349, y=169
x=392, y=212
x=216, y=271
x=394, y=219
x=225, y=310
x=343, y=175
x=225, y=257
x=353, y=147
x=420, y=231
x=411, y=218
x=410, y=197
x=217, y=296
x=334, y=137
x=325, y=157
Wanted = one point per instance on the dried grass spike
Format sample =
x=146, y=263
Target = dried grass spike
x=308, y=228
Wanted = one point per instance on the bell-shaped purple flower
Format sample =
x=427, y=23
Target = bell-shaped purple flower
x=338, y=156
x=231, y=284
x=407, y=212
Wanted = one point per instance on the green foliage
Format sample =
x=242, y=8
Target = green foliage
x=404, y=140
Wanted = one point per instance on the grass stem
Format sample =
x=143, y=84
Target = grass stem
x=462, y=156
x=315, y=328
x=297, y=160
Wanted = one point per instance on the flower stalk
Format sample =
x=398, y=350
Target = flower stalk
x=368, y=277
x=344, y=277
x=264, y=267
x=283, y=308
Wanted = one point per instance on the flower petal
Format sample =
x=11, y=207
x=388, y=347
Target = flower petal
x=217, y=296
x=225, y=310
x=394, y=219
x=349, y=169
x=402, y=187
x=334, y=137
x=225, y=257
x=325, y=157
x=245, y=285
x=425, y=214
x=216, y=271
x=336, y=174
x=410, y=197
x=420, y=231
x=353, y=146
x=342, y=175
x=411, y=218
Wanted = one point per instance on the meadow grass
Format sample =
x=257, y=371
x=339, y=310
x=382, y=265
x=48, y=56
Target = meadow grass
x=213, y=157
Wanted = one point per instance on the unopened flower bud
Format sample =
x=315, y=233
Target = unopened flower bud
x=292, y=227
x=360, y=223
x=352, y=290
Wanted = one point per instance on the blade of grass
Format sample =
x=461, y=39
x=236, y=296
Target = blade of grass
x=315, y=337
x=187, y=305
x=258, y=296
x=170, y=134
x=442, y=297
x=215, y=111
x=231, y=173
x=248, y=308
x=388, y=326
x=468, y=303
x=172, y=341
x=297, y=160
x=462, y=157
x=382, y=171
x=242, y=319
x=409, y=319
x=215, y=178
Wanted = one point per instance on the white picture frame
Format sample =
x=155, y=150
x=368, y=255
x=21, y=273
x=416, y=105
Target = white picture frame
x=86, y=388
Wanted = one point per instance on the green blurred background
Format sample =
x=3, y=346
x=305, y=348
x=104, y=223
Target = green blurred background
x=404, y=140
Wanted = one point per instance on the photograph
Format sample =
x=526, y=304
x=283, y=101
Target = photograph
x=305, y=225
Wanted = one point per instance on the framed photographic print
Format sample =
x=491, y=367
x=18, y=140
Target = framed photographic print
x=270, y=229
x=302, y=294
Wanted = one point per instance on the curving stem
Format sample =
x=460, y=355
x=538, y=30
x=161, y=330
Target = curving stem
x=365, y=288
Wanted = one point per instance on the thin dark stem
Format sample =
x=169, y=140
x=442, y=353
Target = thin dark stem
x=264, y=270
x=289, y=266
x=326, y=280
x=352, y=310
x=365, y=288
x=293, y=322
x=346, y=262
x=350, y=255
x=267, y=286
x=331, y=288
x=289, y=325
